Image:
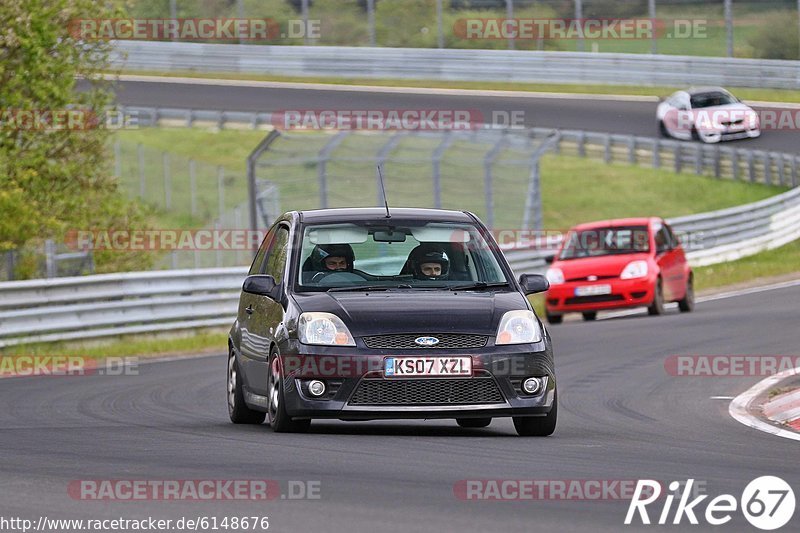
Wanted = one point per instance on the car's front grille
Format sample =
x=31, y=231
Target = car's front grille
x=406, y=342
x=594, y=299
x=429, y=391
x=593, y=278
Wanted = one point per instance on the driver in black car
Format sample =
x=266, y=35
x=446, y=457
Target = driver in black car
x=330, y=258
x=429, y=263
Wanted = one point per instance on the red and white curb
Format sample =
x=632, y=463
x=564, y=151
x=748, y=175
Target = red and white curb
x=784, y=409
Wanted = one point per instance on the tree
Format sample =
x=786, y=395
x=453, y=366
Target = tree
x=56, y=176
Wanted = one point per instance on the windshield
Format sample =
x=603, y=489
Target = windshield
x=404, y=255
x=712, y=99
x=606, y=241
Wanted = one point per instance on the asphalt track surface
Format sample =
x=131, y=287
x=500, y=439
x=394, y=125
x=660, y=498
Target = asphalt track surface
x=602, y=115
x=621, y=417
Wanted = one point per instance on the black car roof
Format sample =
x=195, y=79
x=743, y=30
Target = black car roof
x=348, y=214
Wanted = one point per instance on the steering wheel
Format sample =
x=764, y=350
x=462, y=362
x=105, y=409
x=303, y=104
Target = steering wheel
x=335, y=277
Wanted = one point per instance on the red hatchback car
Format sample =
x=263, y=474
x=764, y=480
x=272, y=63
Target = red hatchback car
x=631, y=262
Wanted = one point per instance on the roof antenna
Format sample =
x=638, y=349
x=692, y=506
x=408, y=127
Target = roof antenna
x=383, y=191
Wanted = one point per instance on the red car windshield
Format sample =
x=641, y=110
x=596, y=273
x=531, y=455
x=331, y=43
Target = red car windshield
x=606, y=241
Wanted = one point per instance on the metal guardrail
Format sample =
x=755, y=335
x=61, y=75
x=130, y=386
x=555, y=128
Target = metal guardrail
x=456, y=64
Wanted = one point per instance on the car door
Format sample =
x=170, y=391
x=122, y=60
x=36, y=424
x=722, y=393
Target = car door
x=680, y=266
x=679, y=119
x=261, y=315
x=667, y=259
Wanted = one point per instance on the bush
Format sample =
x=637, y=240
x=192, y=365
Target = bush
x=777, y=38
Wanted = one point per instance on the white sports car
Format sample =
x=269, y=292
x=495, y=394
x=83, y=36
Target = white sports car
x=710, y=115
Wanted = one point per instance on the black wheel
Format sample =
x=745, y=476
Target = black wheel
x=279, y=420
x=537, y=426
x=662, y=129
x=657, y=307
x=687, y=304
x=473, y=422
x=695, y=135
x=238, y=411
x=590, y=315
x=554, y=319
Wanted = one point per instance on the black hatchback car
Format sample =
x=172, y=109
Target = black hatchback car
x=360, y=314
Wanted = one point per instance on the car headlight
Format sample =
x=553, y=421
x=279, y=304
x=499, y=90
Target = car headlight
x=634, y=269
x=753, y=120
x=323, y=328
x=555, y=276
x=518, y=327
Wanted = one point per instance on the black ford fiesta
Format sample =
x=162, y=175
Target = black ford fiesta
x=362, y=314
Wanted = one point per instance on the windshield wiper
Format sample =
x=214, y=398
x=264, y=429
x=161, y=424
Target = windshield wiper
x=478, y=285
x=368, y=288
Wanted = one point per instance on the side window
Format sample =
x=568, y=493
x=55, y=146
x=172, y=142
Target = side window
x=674, y=242
x=275, y=264
x=258, y=262
x=662, y=240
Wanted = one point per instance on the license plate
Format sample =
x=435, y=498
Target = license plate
x=592, y=290
x=401, y=367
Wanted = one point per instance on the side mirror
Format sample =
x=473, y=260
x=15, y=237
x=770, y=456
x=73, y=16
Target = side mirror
x=261, y=285
x=533, y=283
x=549, y=259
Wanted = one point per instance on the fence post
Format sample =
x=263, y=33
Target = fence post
x=167, y=181
x=322, y=166
x=651, y=8
x=237, y=218
x=140, y=157
x=678, y=158
x=488, y=180
x=383, y=155
x=735, y=164
x=217, y=251
x=10, y=264
x=193, y=187
x=781, y=175
x=51, y=269
x=581, y=143
x=717, y=169
x=509, y=16
x=607, y=148
x=436, y=159
x=579, y=17
x=371, y=21
x=304, y=10
x=751, y=166
x=117, y=159
x=439, y=24
x=220, y=191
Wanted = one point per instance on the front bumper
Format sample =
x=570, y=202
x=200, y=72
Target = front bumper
x=493, y=390
x=730, y=134
x=624, y=293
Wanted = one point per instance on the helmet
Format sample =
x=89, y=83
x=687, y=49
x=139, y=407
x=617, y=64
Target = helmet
x=323, y=251
x=426, y=253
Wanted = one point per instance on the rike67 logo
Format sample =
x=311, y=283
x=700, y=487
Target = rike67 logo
x=767, y=502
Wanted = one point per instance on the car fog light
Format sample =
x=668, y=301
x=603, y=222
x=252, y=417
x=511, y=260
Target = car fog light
x=316, y=387
x=532, y=385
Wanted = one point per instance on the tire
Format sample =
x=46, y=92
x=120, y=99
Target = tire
x=590, y=315
x=279, y=420
x=238, y=411
x=473, y=422
x=657, y=307
x=554, y=319
x=537, y=426
x=687, y=304
x=662, y=130
x=696, y=136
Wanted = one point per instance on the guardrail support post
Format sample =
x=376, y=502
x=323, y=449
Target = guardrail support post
x=751, y=167
x=781, y=174
x=607, y=149
x=698, y=159
x=735, y=164
x=51, y=270
x=631, y=149
x=767, y=168
x=678, y=158
x=657, y=153
x=582, y=144
x=794, y=171
x=717, y=163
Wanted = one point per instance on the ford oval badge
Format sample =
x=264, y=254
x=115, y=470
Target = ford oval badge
x=426, y=341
